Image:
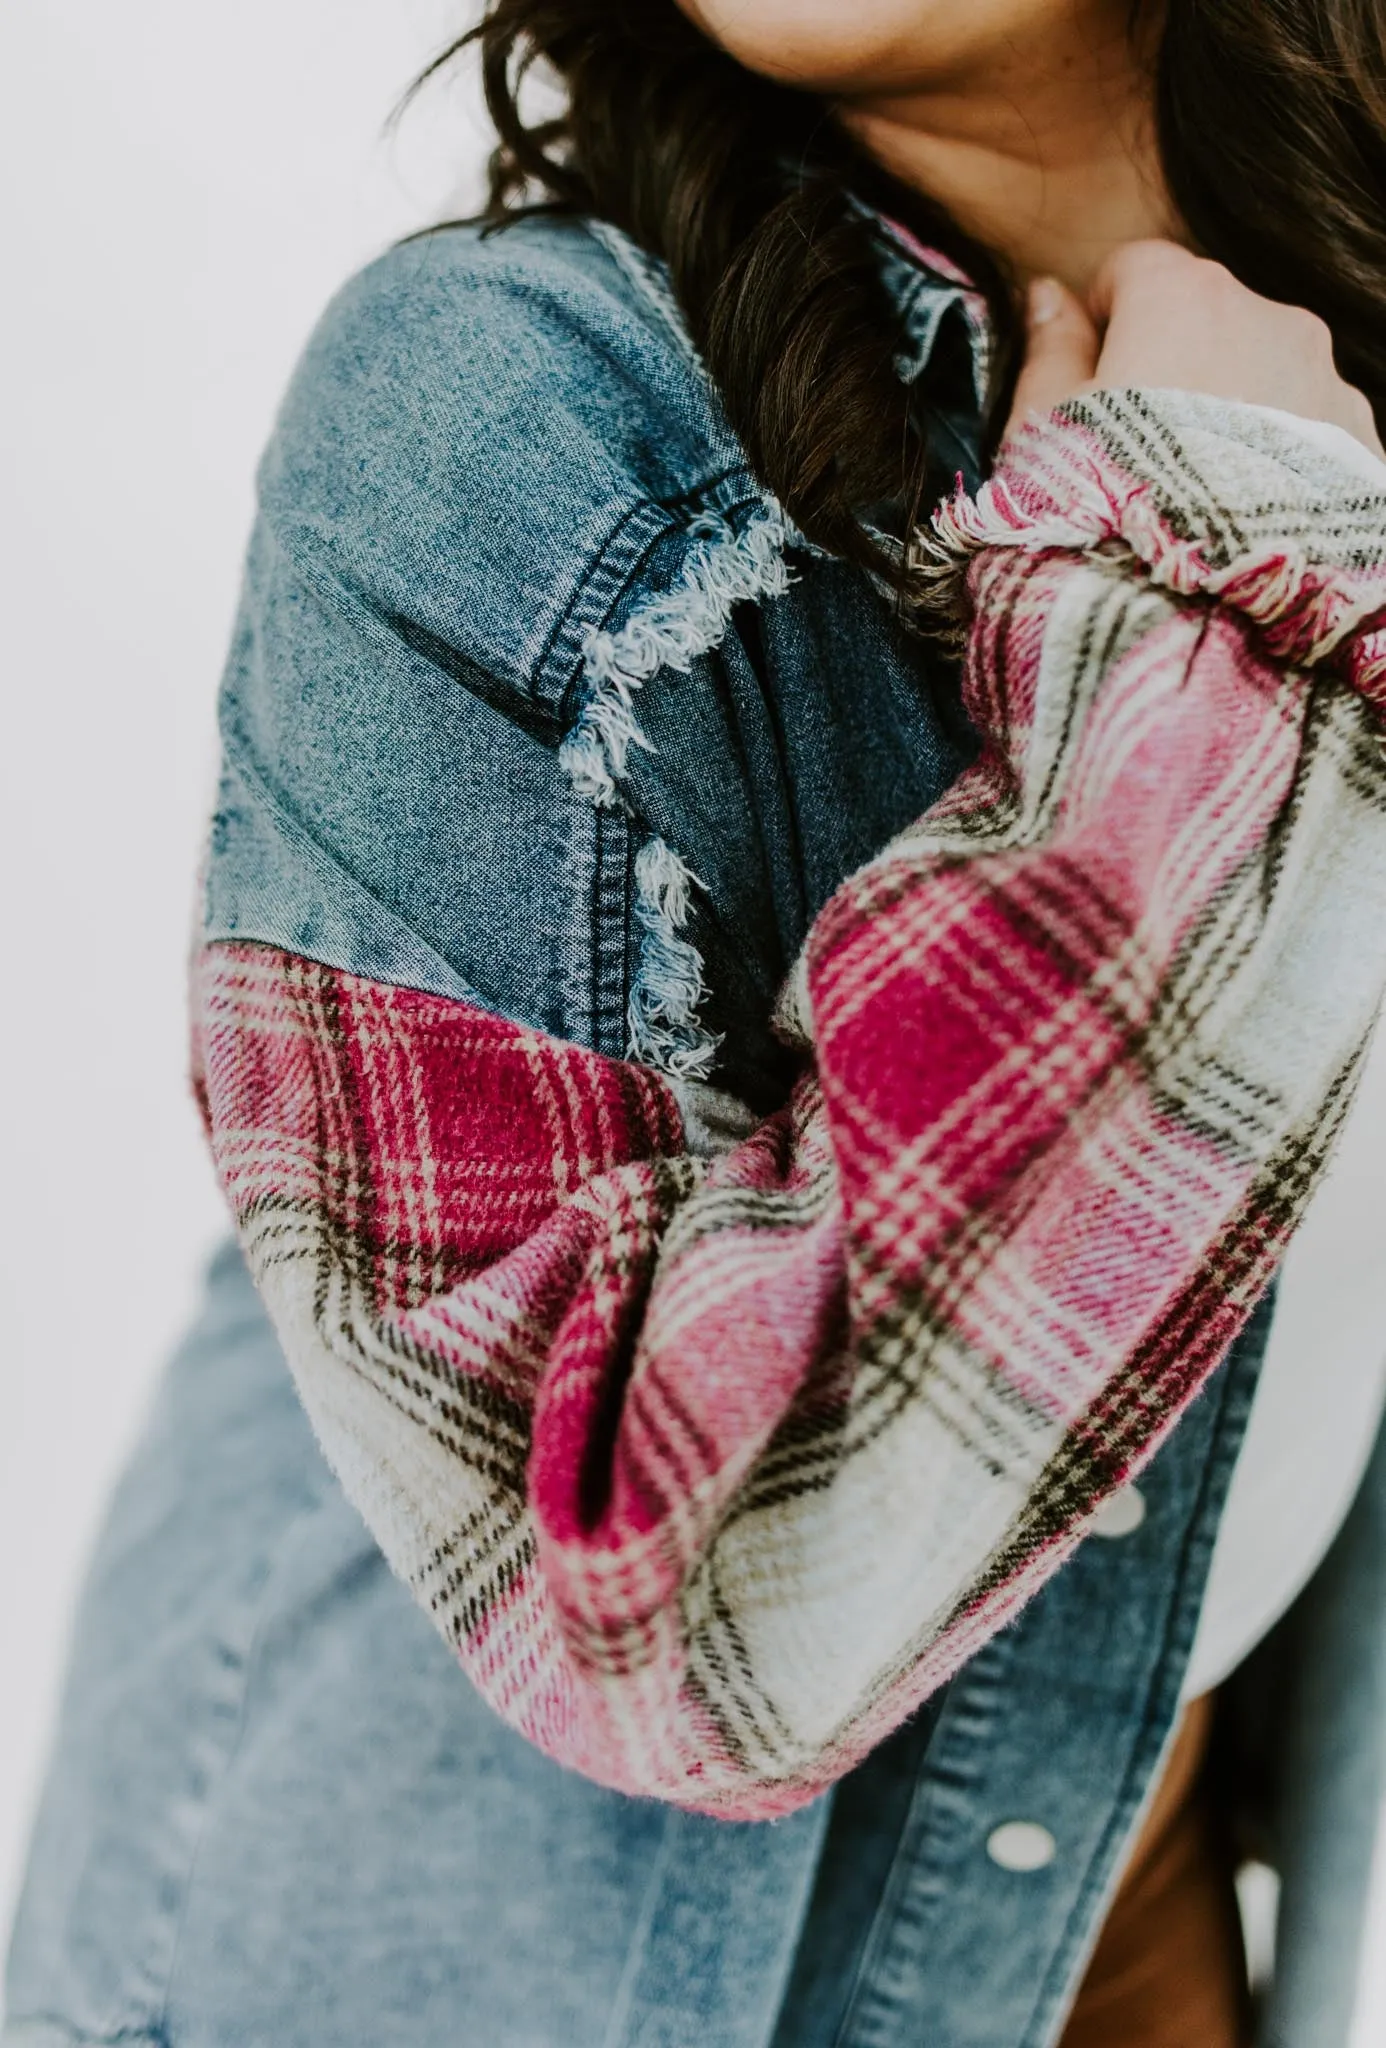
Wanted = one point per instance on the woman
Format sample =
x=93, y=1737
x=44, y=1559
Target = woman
x=755, y=1145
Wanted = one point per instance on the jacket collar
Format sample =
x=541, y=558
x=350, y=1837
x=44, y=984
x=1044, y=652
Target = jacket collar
x=928, y=290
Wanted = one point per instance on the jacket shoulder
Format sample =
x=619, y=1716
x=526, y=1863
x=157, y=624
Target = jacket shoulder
x=474, y=422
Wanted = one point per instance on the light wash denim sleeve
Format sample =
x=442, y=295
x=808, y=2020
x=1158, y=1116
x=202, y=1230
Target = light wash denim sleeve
x=534, y=695
x=409, y=636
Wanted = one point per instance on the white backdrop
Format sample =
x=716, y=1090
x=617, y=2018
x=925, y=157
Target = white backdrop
x=181, y=188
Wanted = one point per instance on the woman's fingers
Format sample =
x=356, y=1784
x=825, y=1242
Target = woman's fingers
x=1171, y=318
x=1061, y=350
x=1158, y=315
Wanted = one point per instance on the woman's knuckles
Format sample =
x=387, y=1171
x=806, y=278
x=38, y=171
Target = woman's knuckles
x=1173, y=318
x=1159, y=315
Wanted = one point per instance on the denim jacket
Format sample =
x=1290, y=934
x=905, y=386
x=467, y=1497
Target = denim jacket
x=511, y=564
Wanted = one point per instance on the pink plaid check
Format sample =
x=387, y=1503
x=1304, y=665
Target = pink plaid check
x=713, y=1469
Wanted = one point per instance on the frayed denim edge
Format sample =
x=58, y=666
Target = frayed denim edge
x=668, y=987
x=727, y=569
x=670, y=632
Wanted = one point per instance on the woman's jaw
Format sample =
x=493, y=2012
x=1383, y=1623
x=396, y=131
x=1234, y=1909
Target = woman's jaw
x=1030, y=120
x=852, y=47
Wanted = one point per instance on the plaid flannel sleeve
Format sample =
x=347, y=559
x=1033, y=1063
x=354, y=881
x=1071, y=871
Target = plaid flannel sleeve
x=711, y=1468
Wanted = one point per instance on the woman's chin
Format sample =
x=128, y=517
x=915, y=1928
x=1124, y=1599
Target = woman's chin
x=824, y=46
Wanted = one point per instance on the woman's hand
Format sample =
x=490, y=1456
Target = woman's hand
x=1158, y=316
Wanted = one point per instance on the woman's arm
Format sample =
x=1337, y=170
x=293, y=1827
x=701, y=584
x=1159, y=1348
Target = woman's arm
x=712, y=1468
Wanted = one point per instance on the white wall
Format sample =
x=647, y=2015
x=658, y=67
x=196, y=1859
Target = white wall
x=181, y=187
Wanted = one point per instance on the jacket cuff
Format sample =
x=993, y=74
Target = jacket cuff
x=1238, y=504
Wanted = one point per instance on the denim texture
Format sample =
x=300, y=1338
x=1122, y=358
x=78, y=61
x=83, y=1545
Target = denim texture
x=410, y=658
x=536, y=698
x=277, y=1814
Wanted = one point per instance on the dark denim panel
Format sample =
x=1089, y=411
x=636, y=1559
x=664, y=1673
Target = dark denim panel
x=876, y=739
x=784, y=761
x=777, y=766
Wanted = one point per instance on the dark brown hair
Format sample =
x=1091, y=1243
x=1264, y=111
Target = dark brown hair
x=1272, y=127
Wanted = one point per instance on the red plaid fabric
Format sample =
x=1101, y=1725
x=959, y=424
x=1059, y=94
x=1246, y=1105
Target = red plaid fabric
x=712, y=1469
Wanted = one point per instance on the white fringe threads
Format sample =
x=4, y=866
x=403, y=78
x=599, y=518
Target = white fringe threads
x=670, y=632
x=1280, y=587
x=662, y=1015
x=727, y=569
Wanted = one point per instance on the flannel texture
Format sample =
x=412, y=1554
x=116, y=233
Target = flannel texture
x=713, y=1468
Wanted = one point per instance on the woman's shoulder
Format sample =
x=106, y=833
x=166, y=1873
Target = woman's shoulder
x=483, y=423
x=543, y=362
x=542, y=315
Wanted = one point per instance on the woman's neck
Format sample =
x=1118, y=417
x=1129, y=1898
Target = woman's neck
x=1046, y=154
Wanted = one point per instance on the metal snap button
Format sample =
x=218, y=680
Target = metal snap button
x=1021, y=1845
x=1121, y=1514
